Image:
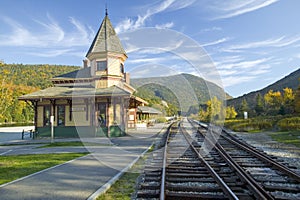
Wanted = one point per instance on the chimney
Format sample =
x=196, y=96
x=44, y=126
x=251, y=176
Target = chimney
x=85, y=63
x=127, y=78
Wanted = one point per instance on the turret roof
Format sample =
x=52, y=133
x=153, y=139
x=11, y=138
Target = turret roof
x=106, y=39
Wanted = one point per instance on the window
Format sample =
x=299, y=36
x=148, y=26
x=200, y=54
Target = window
x=102, y=114
x=46, y=115
x=122, y=68
x=61, y=115
x=101, y=65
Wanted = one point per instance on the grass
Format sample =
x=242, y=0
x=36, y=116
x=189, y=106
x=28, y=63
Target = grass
x=289, y=137
x=17, y=166
x=123, y=188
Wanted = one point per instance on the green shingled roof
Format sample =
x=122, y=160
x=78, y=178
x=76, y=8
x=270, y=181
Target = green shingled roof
x=149, y=110
x=106, y=39
x=70, y=92
x=81, y=73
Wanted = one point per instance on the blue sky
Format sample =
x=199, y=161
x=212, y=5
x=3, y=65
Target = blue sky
x=252, y=43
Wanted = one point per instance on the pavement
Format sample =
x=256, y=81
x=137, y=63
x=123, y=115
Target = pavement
x=81, y=177
x=13, y=134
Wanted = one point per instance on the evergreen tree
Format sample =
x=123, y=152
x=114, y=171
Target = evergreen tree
x=243, y=107
x=297, y=100
x=259, y=107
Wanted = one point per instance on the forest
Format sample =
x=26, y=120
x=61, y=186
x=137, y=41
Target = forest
x=19, y=79
x=275, y=110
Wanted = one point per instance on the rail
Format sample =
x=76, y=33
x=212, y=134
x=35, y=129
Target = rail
x=255, y=187
x=263, y=157
x=218, y=179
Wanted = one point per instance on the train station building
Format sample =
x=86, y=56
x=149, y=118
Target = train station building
x=96, y=100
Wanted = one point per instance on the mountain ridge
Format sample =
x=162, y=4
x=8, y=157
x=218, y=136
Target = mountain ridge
x=182, y=90
x=291, y=81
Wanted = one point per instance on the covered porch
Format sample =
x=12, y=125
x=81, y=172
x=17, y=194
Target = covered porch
x=82, y=112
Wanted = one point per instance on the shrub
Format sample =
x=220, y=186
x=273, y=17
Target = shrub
x=160, y=120
x=288, y=124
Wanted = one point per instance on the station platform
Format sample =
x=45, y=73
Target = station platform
x=82, y=178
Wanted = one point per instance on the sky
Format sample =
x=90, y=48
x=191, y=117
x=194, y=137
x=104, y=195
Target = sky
x=250, y=43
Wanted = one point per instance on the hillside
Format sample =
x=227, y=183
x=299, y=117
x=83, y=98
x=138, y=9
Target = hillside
x=290, y=81
x=183, y=90
x=19, y=79
x=32, y=75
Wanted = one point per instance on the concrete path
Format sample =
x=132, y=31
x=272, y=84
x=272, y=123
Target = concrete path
x=13, y=134
x=81, y=177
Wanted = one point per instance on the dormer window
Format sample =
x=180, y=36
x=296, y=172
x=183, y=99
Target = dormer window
x=101, y=65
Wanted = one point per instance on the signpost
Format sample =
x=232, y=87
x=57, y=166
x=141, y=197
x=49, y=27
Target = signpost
x=52, y=128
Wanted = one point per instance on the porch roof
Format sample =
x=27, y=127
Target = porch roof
x=73, y=92
x=148, y=110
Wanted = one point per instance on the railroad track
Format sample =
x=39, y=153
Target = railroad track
x=181, y=170
x=277, y=179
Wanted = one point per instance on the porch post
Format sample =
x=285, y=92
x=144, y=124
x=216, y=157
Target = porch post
x=108, y=116
x=52, y=113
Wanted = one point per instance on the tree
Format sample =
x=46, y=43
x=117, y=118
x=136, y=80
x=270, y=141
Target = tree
x=214, y=107
x=214, y=110
x=259, y=107
x=288, y=96
x=297, y=100
x=288, y=101
x=230, y=112
x=243, y=107
x=273, y=102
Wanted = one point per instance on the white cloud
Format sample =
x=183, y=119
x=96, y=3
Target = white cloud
x=133, y=24
x=215, y=42
x=167, y=25
x=235, y=70
x=244, y=65
x=232, y=8
x=273, y=42
x=49, y=35
x=51, y=53
x=235, y=80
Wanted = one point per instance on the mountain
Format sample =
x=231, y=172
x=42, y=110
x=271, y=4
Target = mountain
x=182, y=90
x=290, y=81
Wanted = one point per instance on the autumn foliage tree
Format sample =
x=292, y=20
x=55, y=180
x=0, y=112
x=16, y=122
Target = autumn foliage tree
x=17, y=80
x=215, y=110
x=280, y=103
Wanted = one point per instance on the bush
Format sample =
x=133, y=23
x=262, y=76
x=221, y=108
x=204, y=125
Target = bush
x=252, y=126
x=160, y=120
x=288, y=124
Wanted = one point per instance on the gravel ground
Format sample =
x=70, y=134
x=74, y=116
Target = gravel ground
x=288, y=153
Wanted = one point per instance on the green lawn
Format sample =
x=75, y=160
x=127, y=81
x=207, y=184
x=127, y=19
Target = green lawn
x=122, y=188
x=289, y=137
x=14, y=167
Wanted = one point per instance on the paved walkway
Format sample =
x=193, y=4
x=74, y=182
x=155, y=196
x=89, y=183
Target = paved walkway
x=80, y=178
x=13, y=134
